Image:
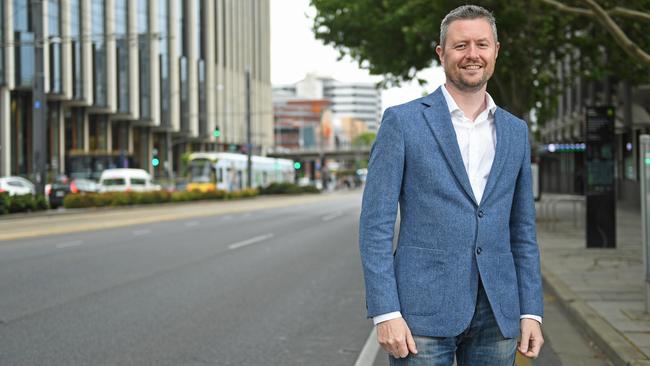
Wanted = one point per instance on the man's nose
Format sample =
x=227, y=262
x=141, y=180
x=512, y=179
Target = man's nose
x=472, y=51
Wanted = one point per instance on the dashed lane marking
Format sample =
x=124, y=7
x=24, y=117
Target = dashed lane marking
x=332, y=216
x=70, y=244
x=250, y=241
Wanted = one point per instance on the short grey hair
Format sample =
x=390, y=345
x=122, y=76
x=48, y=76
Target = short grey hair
x=467, y=12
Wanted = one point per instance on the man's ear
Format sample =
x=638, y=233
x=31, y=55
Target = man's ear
x=441, y=53
x=496, y=54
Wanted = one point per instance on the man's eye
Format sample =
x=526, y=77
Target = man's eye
x=460, y=46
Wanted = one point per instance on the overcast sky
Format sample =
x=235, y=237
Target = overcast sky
x=295, y=52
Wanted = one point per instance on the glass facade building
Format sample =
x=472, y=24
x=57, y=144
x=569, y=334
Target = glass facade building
x=126, y=76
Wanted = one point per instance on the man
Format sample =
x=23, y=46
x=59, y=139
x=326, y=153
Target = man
x=465, y=279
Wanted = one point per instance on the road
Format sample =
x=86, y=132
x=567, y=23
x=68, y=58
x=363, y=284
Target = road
x=270, y=287
x=274, y=286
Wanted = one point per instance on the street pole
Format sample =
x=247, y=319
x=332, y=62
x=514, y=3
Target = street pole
x=39, y=101
x=644, y=153
x=249, y=145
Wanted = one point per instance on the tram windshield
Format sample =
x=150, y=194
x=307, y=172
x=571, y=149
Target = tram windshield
x=200, y=171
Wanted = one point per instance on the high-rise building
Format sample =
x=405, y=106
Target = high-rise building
x=361, y=101
x=126, y=79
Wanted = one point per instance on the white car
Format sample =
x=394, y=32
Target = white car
x=16, y=186
x=126, y=180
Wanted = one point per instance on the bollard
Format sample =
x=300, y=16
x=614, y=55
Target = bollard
x=644, y=156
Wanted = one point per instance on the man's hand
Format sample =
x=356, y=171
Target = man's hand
x=531, y=338
x=395, y=337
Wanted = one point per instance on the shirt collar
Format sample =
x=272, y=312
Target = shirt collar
x=453, y=107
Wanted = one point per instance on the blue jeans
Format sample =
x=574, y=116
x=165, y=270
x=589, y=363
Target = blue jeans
x=480, y=344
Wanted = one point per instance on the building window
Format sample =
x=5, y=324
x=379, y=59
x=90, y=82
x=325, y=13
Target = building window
x=144, y=59
x=21, y=117
x=75, y=38
x=97, y=136
x=122, y=45
x=163, y=24
x=74, y=130
x=24, y=53
x=54, y=34
x=98, y=32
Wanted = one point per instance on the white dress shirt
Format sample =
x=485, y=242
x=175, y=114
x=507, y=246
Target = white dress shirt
x=477, y=141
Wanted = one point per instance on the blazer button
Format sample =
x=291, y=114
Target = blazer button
x=478, y=250
x=481, y=214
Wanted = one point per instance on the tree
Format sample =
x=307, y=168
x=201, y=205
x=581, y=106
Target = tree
x=606, y=19
x=365, y=139
x=397, y=38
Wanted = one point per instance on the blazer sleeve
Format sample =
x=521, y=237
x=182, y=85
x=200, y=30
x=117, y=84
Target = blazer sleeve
x=378, y=214
x=523, y=239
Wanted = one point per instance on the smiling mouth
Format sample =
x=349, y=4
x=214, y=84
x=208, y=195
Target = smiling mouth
x=471, y=67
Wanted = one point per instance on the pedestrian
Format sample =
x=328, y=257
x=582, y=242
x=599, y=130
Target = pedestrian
x=464, y=280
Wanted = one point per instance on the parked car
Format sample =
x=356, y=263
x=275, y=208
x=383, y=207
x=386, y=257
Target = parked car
x=125, y=180
x=57, y=191
x=16, y=186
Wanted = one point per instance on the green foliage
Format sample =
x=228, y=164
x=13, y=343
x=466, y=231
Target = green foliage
x=23, y=203
x=365, y=139
x=288, y=188
x=142, y=198
x=397, y=38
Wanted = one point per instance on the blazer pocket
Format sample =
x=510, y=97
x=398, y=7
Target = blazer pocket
x=420, y=279
x=509, y=294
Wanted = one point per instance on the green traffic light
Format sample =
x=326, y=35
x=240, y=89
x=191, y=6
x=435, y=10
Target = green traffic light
x=216, y=133
x=155, y=162
x=297, y=165
x=647, y=161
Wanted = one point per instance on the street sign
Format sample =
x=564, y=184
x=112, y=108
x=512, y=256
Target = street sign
x=599, y=190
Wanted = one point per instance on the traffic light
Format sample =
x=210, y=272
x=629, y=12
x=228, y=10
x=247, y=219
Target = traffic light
x=217, y=132
x=155, y=160
x=297, y=165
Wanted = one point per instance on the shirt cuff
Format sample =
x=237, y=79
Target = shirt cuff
x=534, y=317
x=384, y=317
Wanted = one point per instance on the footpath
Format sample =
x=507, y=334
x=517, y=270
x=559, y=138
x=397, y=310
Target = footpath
x=602, y=290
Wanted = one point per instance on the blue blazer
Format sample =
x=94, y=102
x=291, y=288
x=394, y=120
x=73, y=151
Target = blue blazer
x=447, y=240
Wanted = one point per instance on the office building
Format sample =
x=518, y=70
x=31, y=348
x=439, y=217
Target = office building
x=130, y=80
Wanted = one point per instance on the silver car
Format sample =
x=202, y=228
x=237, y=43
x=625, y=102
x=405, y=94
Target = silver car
x=16, y=186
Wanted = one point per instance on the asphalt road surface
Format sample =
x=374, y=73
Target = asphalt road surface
x=269, y=287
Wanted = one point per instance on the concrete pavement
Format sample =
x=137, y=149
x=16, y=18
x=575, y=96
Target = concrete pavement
x=601, y=289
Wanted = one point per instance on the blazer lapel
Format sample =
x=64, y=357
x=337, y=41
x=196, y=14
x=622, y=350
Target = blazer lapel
x=439, y=121
x=503, y=143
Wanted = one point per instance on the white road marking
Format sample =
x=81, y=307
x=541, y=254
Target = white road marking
x=191, y=223
x=69, y=244
x=141, y=232
x=332, y=216
x=250, y=241
x=369, y=351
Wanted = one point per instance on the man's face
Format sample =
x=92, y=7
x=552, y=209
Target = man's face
x=469, y=54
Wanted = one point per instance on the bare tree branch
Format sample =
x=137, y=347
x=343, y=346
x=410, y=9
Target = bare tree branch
x=619, y=11
x=568, y=9
x=604, y=17
x=620, y=37
x=615, y=11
